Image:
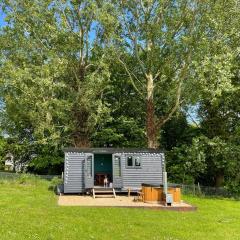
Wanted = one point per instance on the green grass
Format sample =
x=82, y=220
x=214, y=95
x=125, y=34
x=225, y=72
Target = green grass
x=30, y=211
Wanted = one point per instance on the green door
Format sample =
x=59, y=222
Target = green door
x=102, y=167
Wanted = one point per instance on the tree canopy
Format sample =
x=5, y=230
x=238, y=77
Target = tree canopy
x=126, y=74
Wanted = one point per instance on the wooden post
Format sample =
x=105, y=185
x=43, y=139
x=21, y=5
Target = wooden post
x=199, y=189
x=129, y=192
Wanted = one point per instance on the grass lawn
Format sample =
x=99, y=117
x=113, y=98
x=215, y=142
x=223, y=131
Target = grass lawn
x=30, y=211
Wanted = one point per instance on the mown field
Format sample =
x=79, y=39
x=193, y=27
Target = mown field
x=28, y=210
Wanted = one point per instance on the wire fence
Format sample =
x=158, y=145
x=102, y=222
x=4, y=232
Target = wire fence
x=199, y=190
x=193, y=189
x=15, y=176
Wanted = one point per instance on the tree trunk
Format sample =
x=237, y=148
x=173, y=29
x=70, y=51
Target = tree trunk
x=151, y=125
x=81, y=133
x=219, y=180
x=82, y=140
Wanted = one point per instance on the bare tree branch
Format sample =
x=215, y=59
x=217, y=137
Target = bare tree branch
x=31, y=29
x=169, y=115
x=160, y=16
x=156, y=75
x=142, y=6
x=138, y=58
x=130, y=77
x=192, y=119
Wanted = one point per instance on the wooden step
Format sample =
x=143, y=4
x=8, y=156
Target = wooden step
x=103, y=192
x=102, y=189
x=104, y=196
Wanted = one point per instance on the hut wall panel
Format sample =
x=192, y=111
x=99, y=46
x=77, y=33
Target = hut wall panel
x=150, y=172
x=152, y=167
x=73, y=172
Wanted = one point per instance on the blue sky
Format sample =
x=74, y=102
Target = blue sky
x=2, y=23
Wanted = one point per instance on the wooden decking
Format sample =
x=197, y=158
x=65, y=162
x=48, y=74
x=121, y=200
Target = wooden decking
x=119, y=201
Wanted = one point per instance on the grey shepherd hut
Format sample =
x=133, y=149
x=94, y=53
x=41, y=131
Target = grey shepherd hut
x=125, y=169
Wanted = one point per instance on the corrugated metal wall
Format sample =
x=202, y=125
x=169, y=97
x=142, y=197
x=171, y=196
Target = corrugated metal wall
x=73, y=172
x=150, y=172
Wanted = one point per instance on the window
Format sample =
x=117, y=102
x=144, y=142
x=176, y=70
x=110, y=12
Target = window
x=89, y=166
x=137, y=162
x=129, y=161
x=117, y=166
x=133, y=162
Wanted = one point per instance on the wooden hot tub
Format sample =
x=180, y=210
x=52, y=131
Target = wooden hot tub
x=154, y=193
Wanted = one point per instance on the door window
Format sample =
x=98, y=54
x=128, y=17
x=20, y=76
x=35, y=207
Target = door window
x=117, y=166
x=89, y=166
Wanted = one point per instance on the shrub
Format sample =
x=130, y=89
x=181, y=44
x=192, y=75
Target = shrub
x=55, y=182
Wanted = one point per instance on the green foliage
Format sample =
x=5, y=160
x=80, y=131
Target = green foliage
x=43, y=162
x=2, y=152
x=186, y=163
x=220, y=125
x=174, y=52
x=19, y=152
x=233, y=186
x=122, y=132
x=55, y=182
x=81, y=73
x=52, y=75
x=222, y=158
x=178, y=131
x=210, y=161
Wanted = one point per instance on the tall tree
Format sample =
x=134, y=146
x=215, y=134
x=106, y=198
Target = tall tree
x=53, y=69
x=125, y=126
x=167, y=39
x=220, y=124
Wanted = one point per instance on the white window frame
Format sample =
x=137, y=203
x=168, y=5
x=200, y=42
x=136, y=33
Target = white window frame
x=134, y=157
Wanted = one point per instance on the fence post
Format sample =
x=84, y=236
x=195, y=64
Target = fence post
x=199, y=189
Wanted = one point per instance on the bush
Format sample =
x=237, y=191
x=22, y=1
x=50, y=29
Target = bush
x=55, y=182
x=185, y=163
x=233, y=187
